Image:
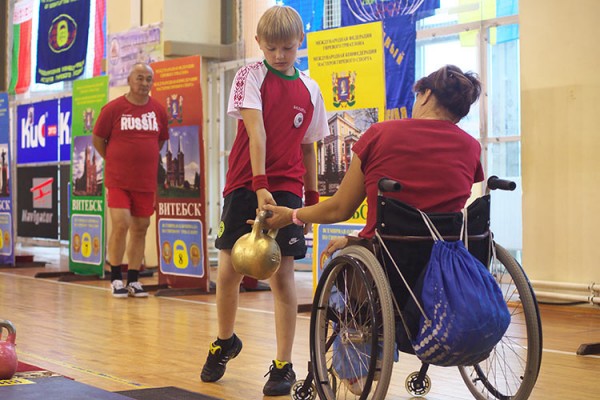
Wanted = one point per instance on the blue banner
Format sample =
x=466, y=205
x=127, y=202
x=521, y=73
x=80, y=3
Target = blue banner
x=181, y=249
x=400, y=36
x=399, y=39
x=362, y=11
x=37, y=132
x=64, y=128
x=62, y=40
x=7, y=255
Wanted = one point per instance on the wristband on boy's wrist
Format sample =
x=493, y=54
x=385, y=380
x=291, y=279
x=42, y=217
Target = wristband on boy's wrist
x=260, y=182
x=295, y=219
x=311, y=197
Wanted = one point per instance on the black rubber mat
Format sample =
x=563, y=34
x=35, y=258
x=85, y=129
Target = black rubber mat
x=53, y=388
x=165, y=393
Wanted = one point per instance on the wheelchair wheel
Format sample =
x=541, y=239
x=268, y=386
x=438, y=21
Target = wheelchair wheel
x=352, y=328
x=511, y=370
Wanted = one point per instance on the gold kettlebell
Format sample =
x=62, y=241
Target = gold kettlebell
x=257, y=254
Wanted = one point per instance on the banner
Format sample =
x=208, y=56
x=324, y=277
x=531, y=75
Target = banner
x=322, y=235
x=37, y=208
x=361, y=11
x=64, y=172
x=348, y=64
x=141, y=44
x=181, y=204
x=7, y=256
x=99, y=35
x=86, y=252
x=20, y=76
x=62, y=40
x=400, y=38
x=37, y=132
x=65, y=106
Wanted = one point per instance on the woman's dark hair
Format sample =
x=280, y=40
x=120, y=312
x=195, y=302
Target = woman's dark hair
x=454, y=90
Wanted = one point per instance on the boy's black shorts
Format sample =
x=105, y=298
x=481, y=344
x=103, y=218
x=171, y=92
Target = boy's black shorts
x=241, y=204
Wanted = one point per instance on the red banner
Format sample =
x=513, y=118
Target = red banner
x=21, y=53
x=181, y=206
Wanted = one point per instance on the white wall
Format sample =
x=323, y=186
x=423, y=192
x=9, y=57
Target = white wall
x=560, y=93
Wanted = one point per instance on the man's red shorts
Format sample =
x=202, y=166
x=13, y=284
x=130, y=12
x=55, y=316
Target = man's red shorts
x=141, y=204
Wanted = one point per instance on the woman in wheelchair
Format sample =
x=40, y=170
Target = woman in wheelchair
x=358, y=300
x=435, y=161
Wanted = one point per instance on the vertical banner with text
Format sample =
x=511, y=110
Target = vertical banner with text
x=87, y=242
x=181, y=205
x=348, y=64
x=62, y=40
x=7, y=255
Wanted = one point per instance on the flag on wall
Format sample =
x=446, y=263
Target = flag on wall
x=62, y=40
x=399, y=29
x=399, y=39
x=100, y=29
x=20, y=77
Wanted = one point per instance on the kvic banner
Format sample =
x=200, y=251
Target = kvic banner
x=181, y=204
x=86, y=253
x=37, y=132
x=62, y=40
x=7, y=256
x=64, y=128
x=44, y=132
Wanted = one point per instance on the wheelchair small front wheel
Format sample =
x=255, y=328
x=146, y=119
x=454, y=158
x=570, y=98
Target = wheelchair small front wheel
x=417, y=387
x=302, y=391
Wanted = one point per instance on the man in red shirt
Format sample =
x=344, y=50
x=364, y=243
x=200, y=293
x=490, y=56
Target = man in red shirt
x=129, y=134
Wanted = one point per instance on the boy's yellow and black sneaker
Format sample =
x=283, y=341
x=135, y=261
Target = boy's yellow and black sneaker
x=219, y=354
x=281, y=379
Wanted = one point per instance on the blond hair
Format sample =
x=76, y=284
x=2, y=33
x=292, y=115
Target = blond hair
x=280, y=24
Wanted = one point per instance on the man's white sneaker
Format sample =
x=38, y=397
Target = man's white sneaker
x=136, y=290
x=118, y=289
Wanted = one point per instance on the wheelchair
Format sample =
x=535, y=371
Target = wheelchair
x=363, y=310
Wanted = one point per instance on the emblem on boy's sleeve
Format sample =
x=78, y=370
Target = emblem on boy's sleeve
x=344, y=86
x=298, y=119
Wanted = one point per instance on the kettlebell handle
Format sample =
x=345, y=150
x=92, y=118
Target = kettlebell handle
x=12, y=332
x=259, y=222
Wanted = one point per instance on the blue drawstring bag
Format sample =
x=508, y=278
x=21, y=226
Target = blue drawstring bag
x=464, y=314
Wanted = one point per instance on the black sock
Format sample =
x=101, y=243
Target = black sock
x=132, y=275
x=225, y=343
x=115, y=273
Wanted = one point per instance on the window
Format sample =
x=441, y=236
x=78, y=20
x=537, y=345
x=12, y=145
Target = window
x=482, y=36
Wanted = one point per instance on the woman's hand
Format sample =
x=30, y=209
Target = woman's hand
x=335, y=244
x=282, y=216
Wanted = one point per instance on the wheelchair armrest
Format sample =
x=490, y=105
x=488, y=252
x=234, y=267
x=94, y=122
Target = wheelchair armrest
x=388, y=185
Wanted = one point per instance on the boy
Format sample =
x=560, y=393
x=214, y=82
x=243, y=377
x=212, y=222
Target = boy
x=281, y=114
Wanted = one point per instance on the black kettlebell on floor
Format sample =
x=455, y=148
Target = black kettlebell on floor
x=8, y=353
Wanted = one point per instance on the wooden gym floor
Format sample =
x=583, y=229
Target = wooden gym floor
x=80, y=331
